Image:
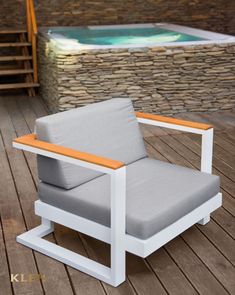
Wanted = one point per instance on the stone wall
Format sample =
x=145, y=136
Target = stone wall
x=215, y=15
x=165, y=80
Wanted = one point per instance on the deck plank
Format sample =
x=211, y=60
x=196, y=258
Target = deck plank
x=221, y=268
x=171, y=276
x=223, y=141
x=4, y=268
x=228, y=202
x=220, y=239
x=230, y=136
x=195, y=270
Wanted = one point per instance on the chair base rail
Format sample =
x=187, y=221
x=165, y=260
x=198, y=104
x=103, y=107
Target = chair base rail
x=34, y=237
x=198, y=215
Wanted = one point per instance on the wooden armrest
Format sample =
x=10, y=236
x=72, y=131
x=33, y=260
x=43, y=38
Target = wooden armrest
x=173, y=121
x=31, y=140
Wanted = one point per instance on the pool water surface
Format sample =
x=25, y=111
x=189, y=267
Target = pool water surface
x=124, y=36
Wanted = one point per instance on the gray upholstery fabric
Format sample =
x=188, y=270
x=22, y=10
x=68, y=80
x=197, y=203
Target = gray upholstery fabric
x=158, y=194
x=107, y=129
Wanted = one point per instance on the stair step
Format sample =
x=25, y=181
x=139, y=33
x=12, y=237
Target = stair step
x=18, y=85
x=12, y=31
x=8, y=67
x=15, y=72
x=15, y=44
x=15, y=57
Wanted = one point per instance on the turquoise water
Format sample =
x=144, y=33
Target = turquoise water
x=123, y=36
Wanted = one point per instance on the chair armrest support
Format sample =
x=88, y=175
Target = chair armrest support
x=205, y=130
x=173, y=123
x=207, y=151
x=30, y=143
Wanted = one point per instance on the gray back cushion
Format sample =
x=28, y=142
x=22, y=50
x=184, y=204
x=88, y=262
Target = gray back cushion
x=109, y=129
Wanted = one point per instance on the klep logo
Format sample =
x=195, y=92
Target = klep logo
x=27, y=278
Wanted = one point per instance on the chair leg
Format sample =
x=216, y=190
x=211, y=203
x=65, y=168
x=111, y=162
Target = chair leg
x=48, y=223
x=34, y=240
x=45, y=228
x=204, y=220
x=113, y=275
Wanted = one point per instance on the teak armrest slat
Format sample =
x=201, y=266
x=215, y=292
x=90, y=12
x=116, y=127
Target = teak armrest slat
x=30, y=140
x=173, y=121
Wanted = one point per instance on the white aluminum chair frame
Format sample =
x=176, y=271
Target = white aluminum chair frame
x=115, y=235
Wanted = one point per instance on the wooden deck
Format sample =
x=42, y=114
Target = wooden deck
x=200, y=261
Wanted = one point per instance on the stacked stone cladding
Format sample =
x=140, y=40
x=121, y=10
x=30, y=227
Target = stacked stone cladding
x=165, y=80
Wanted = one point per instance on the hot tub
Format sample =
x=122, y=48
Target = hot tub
x=164, y=68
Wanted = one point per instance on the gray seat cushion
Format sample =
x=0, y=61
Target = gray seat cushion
x=109, y=129
x=158, y=194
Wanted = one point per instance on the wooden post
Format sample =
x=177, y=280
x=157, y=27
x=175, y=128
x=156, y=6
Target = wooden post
x=32, y=32
x=34, y=54
x=33, y=17
x=29, y=27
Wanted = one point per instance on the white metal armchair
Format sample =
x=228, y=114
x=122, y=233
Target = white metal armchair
x=96, y=178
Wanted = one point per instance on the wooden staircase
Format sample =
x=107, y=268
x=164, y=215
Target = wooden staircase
x=18, y=55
